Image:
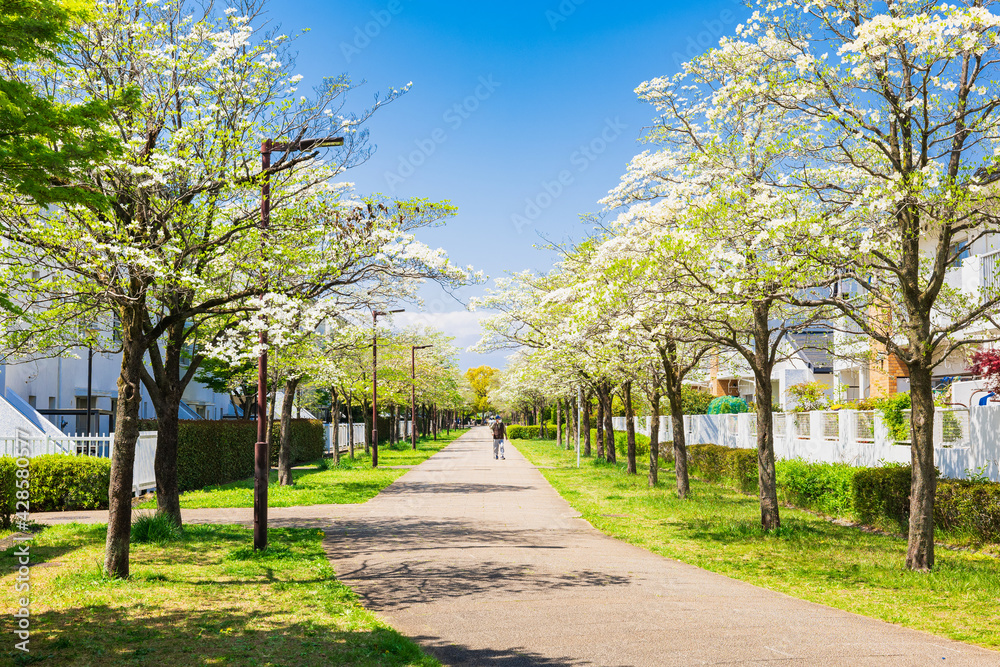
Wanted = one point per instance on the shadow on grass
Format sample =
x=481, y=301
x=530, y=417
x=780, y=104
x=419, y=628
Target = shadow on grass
x=99, y=636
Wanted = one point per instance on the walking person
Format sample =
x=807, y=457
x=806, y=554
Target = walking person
x=499, y=433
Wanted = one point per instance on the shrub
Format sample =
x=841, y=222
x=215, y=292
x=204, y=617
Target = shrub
x=970, y=507
x=154, y=529
x=520, y=432
x=212, y=452
x=708, y=460
x=741, y=468
x=308, y=440
x=60, y=482
x=809, y=396
x=882, y=494
x=695, y=401
x=727, y=405
x=8, y=477
x=893, y=417
x=641, y=445
x=825, y=487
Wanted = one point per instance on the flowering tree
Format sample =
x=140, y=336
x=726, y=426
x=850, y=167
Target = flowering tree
x=895, y=110
x=735, y=245
x=174, y=239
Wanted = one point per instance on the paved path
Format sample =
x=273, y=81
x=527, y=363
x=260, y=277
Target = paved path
x=483, y=563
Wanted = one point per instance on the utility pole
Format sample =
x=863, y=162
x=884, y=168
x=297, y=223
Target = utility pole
x=413, y=391
x=375, y=314
x=262, y=457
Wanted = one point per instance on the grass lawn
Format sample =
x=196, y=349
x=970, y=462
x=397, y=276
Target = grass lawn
x=205, y=599
x=353, y=481
x=809, y=558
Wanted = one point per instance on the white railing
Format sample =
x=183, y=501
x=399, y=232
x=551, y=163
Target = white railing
x=964, y=441
x=342, y=436
x=803, y=425
x=864, y=427
x=831, y=426
x=96, y=446
x=989, y=265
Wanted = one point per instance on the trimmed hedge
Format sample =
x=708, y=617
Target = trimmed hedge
x=882, y=495
x=57, y=482
x=825, y=487
x=971, y=507
x=520, y=432
x=211, y=452
x=308, y=440
x=8, y=477
x=716, y=463
x=873, y=496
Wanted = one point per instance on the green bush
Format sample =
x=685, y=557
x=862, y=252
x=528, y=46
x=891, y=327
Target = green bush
x=969, y=507
x=212, y=452
x=716, y=463
x=154, y=529
x=727, y=405
x=882, y=494
x=641, y=445
x=741, y=468
x=308, y=440
x=60, y=482
x=695, y=401
x=708, y=460
x=521, y=432
x=824, y=487
x=8, y=477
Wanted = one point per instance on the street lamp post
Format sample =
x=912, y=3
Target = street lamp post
x=262, y=463
x=413, y=391
x=375, y=314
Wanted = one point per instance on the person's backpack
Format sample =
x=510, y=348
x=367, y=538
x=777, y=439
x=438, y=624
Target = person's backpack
x=497, y=430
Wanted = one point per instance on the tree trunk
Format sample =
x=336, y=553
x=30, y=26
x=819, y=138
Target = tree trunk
x=168, y=495
x=609, y=426
x=366, y=414
x=559, y=442
x=350, y=425
x=769, y=515
x=585, y=424
x=923, y=476
x=674, y=397
x=434, y=412
x=285, y=451
x=116, y=551
x=630, y=427
x=335, y=420
x=654, y=437
x=599, y=423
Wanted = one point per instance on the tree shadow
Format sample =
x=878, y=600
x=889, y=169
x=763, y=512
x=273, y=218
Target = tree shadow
x=451, y=487
x=362, y=553
x=457, y=654
x=105, y=636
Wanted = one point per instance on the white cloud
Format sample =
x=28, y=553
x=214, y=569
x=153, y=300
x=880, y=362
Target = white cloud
x=461, y=324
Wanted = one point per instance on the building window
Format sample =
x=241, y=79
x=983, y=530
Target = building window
x=52, y=402
x=33, y=401
x=958, y=252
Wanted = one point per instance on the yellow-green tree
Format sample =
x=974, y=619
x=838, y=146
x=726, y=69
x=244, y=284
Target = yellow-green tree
x=483, y=380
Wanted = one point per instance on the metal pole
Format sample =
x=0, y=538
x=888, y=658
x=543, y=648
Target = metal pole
x=90, y=382
x=579, y=427
x=262, y=463
x=375, y=390
x=413, y=395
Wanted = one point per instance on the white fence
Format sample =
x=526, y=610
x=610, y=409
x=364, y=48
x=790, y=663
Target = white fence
x=964, y=441
x=102, y=446
x=342, y=436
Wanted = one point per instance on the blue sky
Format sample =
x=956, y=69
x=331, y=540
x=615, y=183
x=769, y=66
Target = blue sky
x=521, y=113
